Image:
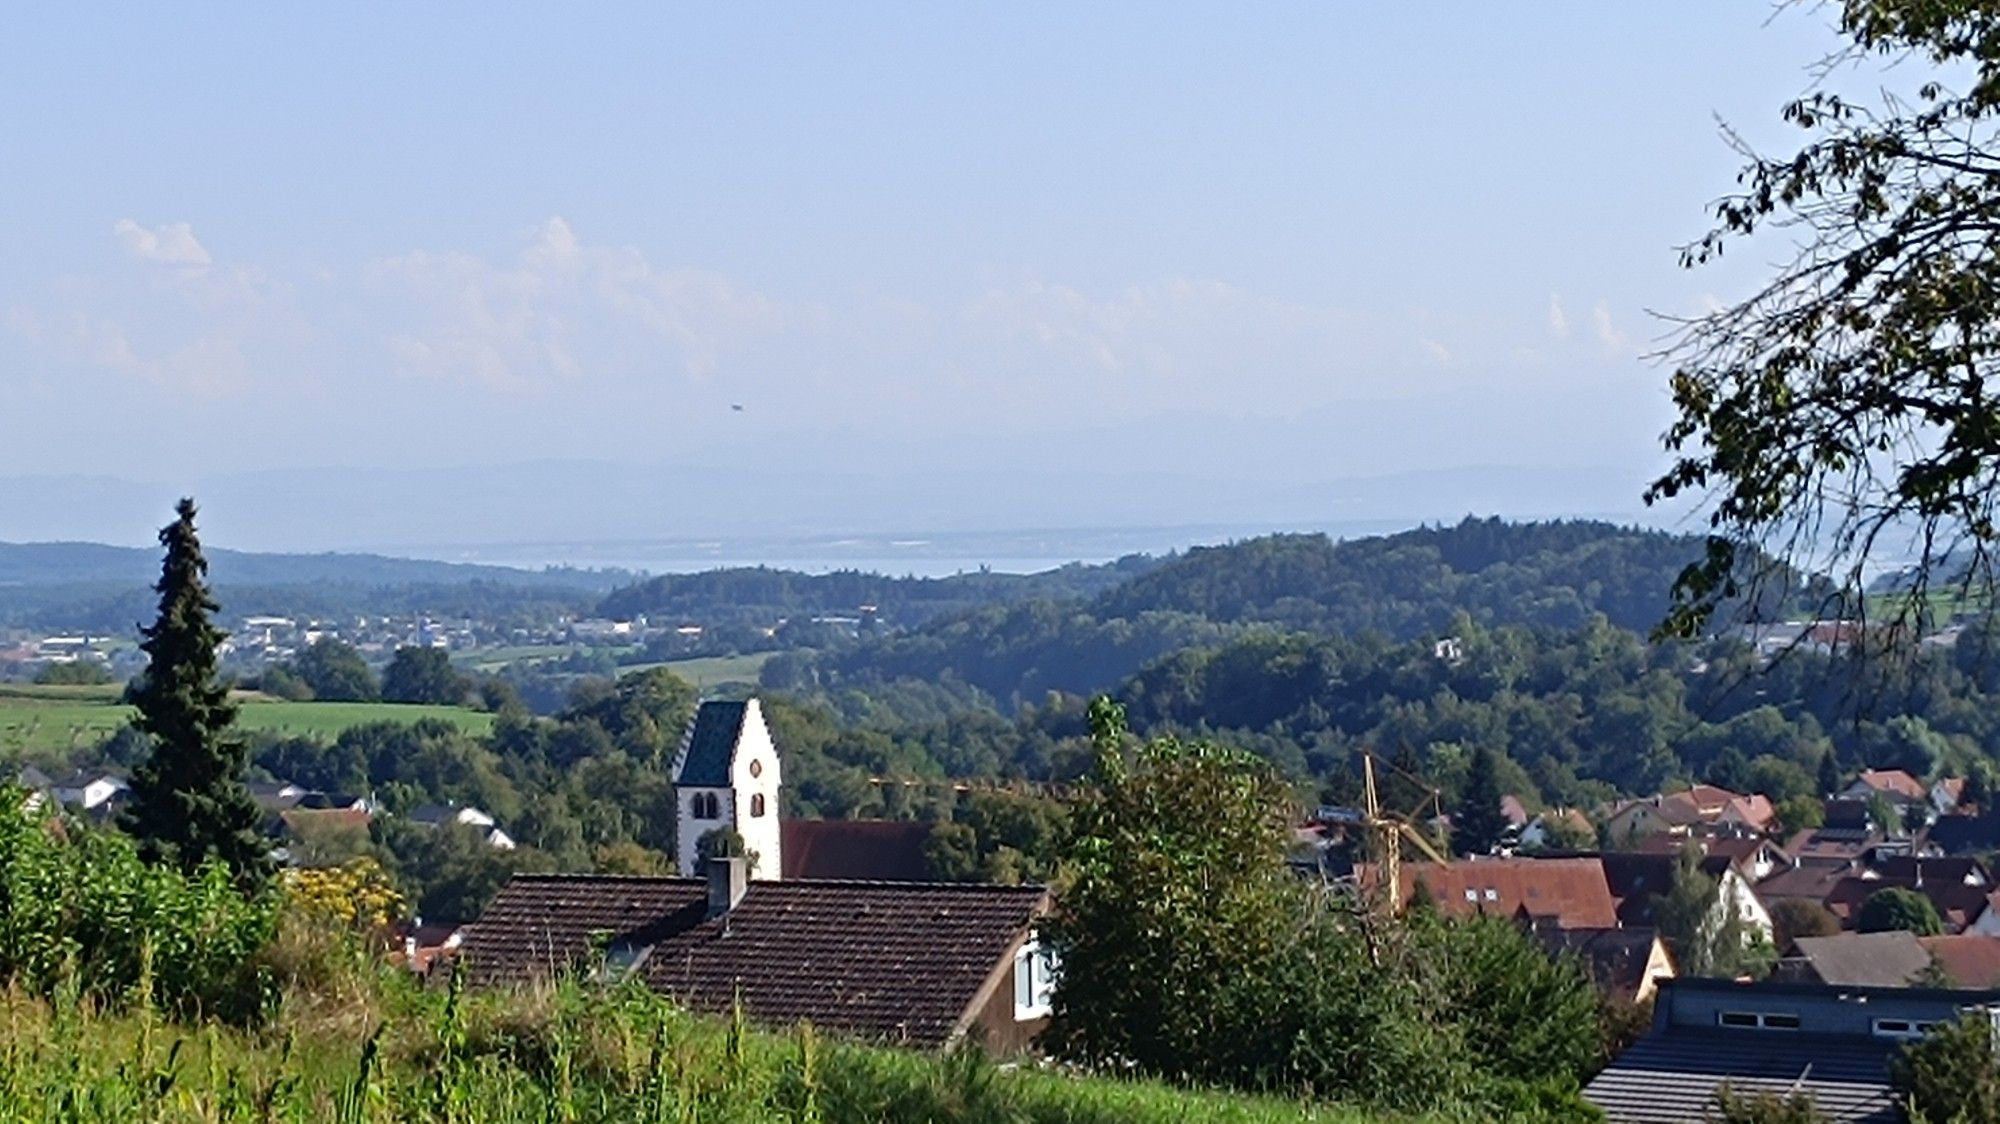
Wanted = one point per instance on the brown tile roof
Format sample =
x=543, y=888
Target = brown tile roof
x=1637, y=879
x=1742, y=852
x=1809, y=881
x=1894, y=782
x=1616, y=959
x=900, y=962
x=1958, y=904
x=1971, y=960
x=870, y=850
x=1572, y=891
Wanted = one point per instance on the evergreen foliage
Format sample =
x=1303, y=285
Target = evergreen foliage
x=188, y=803
x=1478, y=825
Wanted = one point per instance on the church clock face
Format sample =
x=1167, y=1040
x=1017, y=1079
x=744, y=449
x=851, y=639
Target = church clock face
x=756, y=768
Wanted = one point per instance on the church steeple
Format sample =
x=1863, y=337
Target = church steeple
x=727, y=776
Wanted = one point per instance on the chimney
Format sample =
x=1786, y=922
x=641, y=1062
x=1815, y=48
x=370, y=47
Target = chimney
x=727, y=880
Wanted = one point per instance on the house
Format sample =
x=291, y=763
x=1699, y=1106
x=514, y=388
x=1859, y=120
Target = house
x=1896, y=785
x=1639, y=879
x=1966, y=959
x=1538, y=831
x=92, y=791
x=274, y=796
x=1556, y=892
x=438, y=815
x=1946, y=795
x=38, y=787
x=1832, y=1043
x=1750, y=856
x=727, y=776
x=426, y=946
x=1625, y=964
x=918, y=964
x=1965, y=834
x=1892, y=959
x=1704, y=809
x=1963, y=908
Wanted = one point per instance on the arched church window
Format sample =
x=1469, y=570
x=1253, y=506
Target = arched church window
x=756, y=804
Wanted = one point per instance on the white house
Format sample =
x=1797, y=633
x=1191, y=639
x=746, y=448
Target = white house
x=90, y=790
x=727, y=776
x=437, y=815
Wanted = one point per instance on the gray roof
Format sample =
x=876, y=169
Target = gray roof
x=32, y=778
x=711, y=744
x=1672, y=1075
x=1890, y=959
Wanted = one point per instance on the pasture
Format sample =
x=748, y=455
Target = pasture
x=45, y=721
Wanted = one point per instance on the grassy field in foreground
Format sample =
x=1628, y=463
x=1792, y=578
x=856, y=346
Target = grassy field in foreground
x=580, y=1057
x=36, y=719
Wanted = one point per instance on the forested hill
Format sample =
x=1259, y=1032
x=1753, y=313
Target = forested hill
x=760, y=593
x=1554, y=575
x=80, y=563
x=98, y=588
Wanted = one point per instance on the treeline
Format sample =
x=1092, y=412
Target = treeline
x=760, y=594
x=1551, y=575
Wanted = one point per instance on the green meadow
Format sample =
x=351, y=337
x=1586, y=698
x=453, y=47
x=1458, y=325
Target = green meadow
x=59, y=720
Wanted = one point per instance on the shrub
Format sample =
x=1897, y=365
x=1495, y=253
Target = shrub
x=79, y=909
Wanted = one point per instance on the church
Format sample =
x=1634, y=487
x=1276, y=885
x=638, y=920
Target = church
x=728, y=776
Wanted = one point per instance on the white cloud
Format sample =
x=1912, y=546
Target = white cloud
x=1607, y=332
x=1437, y=351
x=562, y=311
x=1558, y=319
x=171, y=243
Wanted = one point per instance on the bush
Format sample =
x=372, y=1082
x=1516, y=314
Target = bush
x=80, y=911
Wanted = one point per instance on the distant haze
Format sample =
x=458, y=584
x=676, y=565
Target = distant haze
x=424, y=278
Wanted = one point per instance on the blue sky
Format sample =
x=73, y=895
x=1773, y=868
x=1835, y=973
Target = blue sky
x=1378, y=237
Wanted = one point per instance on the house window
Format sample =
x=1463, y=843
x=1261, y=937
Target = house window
x=1758, y=1020
x=1902, y=1029
x=756, y=804
x=1034, y=981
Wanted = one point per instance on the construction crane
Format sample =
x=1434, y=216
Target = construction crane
x=1389, y=829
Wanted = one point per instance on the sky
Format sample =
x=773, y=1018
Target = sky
x=1046, y=248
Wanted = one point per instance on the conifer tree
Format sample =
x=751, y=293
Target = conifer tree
x=189, y=803
x=1829, y=775
x=1477, y=824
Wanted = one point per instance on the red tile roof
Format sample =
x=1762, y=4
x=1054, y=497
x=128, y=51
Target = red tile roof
x=1969, y=959
x=1894, y=782
x=854, y=850
x=1572, y=891
x=900, y=962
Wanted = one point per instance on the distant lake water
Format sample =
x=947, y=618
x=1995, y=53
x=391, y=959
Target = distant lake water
x=913, y=553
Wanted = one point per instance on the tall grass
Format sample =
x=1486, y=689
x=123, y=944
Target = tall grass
x=567, y=1054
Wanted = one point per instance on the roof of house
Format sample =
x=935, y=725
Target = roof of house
x=867, y=850
x=1741, y=852
x=1964, y=834
x=1615, y=958
x=1962, y=869
x=32, y=778
x=297, y=819
x=1838, y=844
x=1670, y=1076
x=1572, y=891
x=902, y=962
x=1970, y=959
x=1515, y=811
x=1637, y=879
x=1893, y=782
x=711, y=742
x=1892, y=959
x=1958, y=904
x=1810, y=881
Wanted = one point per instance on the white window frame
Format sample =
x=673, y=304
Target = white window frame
x=1034, y=982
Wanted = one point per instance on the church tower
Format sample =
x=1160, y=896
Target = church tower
x=727, y=776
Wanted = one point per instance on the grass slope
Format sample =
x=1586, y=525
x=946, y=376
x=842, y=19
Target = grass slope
x=36, y=719
x=581, y=1056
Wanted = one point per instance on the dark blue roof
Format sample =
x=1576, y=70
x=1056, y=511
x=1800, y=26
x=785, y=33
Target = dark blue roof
x=711, y=744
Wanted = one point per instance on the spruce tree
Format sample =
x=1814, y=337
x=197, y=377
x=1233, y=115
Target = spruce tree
x=1477, y=824
x=1829, y=775
x=189, y=803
